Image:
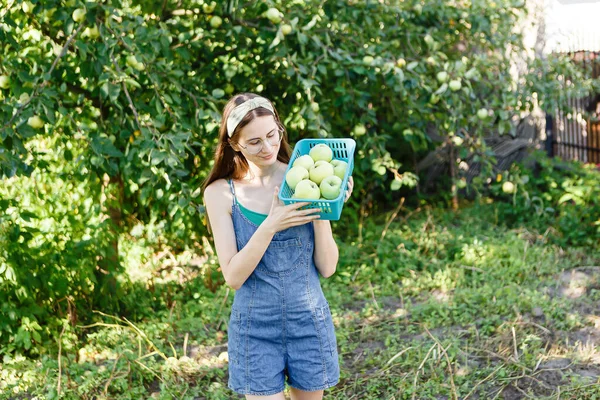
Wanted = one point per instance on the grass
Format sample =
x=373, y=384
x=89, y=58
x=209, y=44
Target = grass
x=437, y=305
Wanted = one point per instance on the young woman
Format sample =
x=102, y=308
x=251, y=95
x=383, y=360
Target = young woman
x=272, y=254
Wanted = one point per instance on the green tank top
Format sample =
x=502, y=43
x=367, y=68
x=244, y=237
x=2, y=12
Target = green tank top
x=255, y=217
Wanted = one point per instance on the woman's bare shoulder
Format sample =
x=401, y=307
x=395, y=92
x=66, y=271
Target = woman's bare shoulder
x=218, y=192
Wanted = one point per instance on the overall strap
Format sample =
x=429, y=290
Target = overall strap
x=232, y=189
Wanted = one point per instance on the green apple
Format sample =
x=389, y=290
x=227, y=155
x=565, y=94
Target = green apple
x=321, y=170
x=330, y=187
x=339, y=168
x=321, y=152
x=79, y=15
x=508, y=187
x=229, y=88
x=418, y=9
x=307, y=189
x=286, y=29
x=455, y=85
x=4, y=82
x=274, y=15
x=133, y=62
x=215, y=21
x=401, y=62
x=315, y=107
x=23, y=97
x=209, y=8
x=368, y=60
x=92, y=32
x=434, y=99
x=27, y=7
x=429, y=40
x=482, y=113
x=295, y=175
x=218, y=93
x=305, y=161
x=35, y=122
x=359, y=130
x=442, y=76
x=457, y=140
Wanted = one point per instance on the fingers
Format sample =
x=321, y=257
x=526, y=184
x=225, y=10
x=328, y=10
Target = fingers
x=303, y=220
x=309, y=211
x=276, y=200
x=295, y=206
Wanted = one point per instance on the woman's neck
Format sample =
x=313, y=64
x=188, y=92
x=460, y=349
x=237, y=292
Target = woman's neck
x=263, y=176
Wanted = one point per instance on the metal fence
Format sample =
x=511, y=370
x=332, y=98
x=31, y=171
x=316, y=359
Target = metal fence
x=574, y=133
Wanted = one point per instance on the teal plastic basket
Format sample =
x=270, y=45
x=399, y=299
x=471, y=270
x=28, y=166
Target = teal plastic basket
x=343, y=149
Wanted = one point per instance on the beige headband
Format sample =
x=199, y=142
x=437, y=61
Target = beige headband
x=239, y=112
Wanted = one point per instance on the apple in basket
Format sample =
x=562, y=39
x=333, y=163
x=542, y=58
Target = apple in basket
x=295, y=175
x=307, y=189
x=321, y=170
x=321, y=152
x=339, y=168
x=305, y=161
x=330, y=187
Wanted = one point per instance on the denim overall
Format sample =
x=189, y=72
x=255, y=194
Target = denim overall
x=280, y=324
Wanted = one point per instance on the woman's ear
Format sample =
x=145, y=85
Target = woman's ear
x=234, y=145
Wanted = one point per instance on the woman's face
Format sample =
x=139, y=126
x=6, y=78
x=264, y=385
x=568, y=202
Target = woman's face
x=260, y=140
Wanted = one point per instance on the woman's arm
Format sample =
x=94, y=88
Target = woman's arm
x=326, y=251
x=236, y=266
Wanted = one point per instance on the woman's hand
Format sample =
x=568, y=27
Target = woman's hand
x=350, y=187
x=286, y=216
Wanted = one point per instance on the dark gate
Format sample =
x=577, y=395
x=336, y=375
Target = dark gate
x=575, y=133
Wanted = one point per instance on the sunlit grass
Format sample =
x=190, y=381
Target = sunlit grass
x=447, y=305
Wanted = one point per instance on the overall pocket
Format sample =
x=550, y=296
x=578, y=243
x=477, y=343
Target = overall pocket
x=282, y=256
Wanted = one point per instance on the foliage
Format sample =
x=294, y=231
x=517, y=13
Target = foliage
x=563, y=196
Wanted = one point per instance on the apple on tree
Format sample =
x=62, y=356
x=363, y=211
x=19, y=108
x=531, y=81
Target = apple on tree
x=359, y=130
x=209, y=8
x=134, y=63
x=482, y=113
x=442, y=76
x=455, y=85
x=35, y=122
x=321, y=170
x=307, y=189
x=339, y=168
x=305, y=161
x=4, y=82
x=286, y=29
x=295, y=175
x=79, y=15
x=274, y=15
x=216, y=21
x=321, y=152
x=330, y=187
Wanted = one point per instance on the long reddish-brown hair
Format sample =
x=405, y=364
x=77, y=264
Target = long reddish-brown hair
x=229, y=163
